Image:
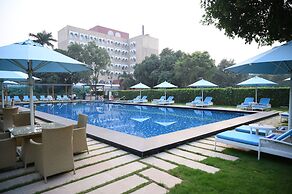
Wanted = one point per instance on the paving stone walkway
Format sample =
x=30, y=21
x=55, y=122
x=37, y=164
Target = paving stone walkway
x=107, y=169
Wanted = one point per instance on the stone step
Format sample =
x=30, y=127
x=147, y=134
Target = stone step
x=98, y=158
x=63, y=178
x=187, y=162
x=89, y=139
x=99, y=179
x=159, y=163
x=210, y=142
x=90, y=143
x=18, y=181
x=161, y=177
x=121, y=186
x=97, y=146
x=186, y=154
x=16, y=172
x=151, y=189
x=207, y=152
x=94, y=153
x=211, y=138
x=207, y=146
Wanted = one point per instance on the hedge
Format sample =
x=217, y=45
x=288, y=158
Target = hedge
x=221, y=96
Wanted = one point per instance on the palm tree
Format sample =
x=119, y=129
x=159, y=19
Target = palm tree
x=44, y=38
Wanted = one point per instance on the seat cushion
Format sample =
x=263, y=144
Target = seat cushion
x=246, y=129
x=239, y=137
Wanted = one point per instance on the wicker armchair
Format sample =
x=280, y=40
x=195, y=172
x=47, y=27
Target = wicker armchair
x=7, y=121
x=79, y=135
x=7, y=150
x=55, y=154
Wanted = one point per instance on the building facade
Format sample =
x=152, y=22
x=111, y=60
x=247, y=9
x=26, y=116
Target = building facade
x=124, y=52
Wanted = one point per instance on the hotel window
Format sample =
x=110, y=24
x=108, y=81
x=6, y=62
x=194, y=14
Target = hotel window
x=111, y=33
x=117, y=34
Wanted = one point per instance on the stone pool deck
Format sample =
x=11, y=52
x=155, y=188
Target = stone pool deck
x=107, y=169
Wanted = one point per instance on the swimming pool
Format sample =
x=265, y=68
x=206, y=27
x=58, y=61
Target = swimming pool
x=141, y=121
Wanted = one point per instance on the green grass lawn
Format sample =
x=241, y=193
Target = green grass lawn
x=247, y=175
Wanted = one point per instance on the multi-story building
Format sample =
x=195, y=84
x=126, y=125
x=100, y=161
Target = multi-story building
x=124, y=52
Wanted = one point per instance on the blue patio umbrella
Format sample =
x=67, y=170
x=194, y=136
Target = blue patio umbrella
x=30, y=57
x=256, y=82
x=277, y=60
x=11, y=76
x=202, y=84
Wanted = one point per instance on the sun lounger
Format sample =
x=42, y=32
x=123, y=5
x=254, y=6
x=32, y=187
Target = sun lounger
x=66, y=98
x=197, y=100
x=162, y=98
x=169, y=100
x=284, y=116
x=135, y=99
x=248, y=129
x=142, y=100
x=280, y=145
x=262, y=105
x=207, y=102
x=247, y=103
x=16, y=99
x=50, y=98
x=59, y=98
x=43, y=98
x=25, y=99
x=34, y=98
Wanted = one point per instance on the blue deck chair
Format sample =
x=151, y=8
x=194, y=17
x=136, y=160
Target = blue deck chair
x=50, y=98
x=161, y=99
x=66, y=98
x=206, y=102
x=262, y=105
x=135, y=99
x=34, y=98
x=248, y=101
x=25, y=99
x=59, y=98
x=142, y=100
x=43, y=98
x=197, y=100
x=275, y=144
x=169, y=100
x=248, y=129
x=16, y=99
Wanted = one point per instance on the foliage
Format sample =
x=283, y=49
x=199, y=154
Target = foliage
x=246, y=175
x=44, y=38
x=126, y=81
x=262, y=21
x=221, y=96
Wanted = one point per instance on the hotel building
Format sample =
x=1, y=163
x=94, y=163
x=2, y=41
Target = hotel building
x=124, y=52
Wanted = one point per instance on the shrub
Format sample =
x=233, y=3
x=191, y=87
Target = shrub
x=221, y=96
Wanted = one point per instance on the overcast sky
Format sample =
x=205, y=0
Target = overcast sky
x=176, y=23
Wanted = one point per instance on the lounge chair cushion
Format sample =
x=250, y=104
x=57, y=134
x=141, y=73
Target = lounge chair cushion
x=239, y=137
x=246, y=129
x=284, y=135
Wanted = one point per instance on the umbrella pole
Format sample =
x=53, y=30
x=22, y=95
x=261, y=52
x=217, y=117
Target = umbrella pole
x=202, y=95
x=256, y=95
x=165, y=93
x=140, y=94
x=290, y=104
x=3, y=95
x=30, y=83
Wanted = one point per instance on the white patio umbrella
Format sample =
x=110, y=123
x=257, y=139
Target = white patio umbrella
x=276, y=61
x=165, y=85
x=202, y=84
x=11, y=77
x=31, y=57
x=256, y=82
x=140, y=86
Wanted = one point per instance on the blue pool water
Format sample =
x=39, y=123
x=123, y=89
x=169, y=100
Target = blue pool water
x=142, y=121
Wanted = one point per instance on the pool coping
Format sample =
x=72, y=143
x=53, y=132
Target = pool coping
x=148, y=146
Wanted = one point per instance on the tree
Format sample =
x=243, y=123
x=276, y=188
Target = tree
x=147, y=71
x=97, y=58
x=190, y=68
x=126, y=81
x=44, y=38
x=262, y=21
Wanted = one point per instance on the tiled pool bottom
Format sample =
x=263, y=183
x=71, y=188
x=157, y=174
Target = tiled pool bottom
x=141, y=121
